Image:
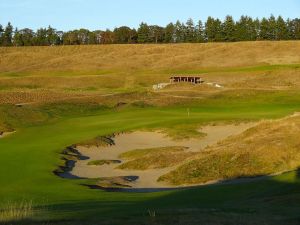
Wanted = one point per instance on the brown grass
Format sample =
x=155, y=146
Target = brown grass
x=155, y=158
x=271, y=147
x=128, y=58
x=84, y=73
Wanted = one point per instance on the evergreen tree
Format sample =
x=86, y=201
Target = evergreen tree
x=7, y=35
x=52, y=36
x=169, y=36
x=17, y=38
x=190, y=34
x=143, y=33
x=297, y=29
x=281, y=29
x=200, y=37
x=210, y=29
x=264, y=33
x=179, y=32
x=229, y=29
x=245, y=29
x=272, y=28
x=256, y=26
x=1, y=34
x=156, y=34
x=218, y=30
x=41, y=37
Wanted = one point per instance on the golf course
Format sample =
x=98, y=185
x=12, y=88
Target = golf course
x=82, y=131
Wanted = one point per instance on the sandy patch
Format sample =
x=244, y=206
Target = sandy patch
x=145, y=140
x=4, y=134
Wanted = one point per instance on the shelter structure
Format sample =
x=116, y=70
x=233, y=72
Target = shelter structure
x=186, y=79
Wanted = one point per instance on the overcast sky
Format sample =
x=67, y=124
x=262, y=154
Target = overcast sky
x=99, y=14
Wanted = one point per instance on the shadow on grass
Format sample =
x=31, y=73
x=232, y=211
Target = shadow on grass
x=272, y=200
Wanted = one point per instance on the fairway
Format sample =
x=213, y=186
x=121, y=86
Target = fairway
x=68, y=101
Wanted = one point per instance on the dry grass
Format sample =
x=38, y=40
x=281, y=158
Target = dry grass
x=271, y=147
x=128, y=58
x=155, y=158
x=97, y=141
x=103, y=162
x=13, y=212
x=84, y=73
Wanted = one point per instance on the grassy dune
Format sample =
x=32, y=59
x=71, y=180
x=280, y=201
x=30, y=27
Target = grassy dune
x=155, y=158
x=269, y=148
x=70, y=89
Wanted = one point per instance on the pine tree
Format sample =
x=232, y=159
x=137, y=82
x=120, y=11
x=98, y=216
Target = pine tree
x=143, y=33
x=256, y=27
x=17, y=38
x=200, y=37
x=156, y=34
x=190, y=34
x=272, y=28
x=281, y=29
x=1, y=34
x=297, y=29
x=229, y=29
x=179, y=32
x=210, y=30
x=245, y=29
x=218, y=30
x=8, y=35
x=169, y=33
x=41, y=37
x=264, y=33
x=52, y=36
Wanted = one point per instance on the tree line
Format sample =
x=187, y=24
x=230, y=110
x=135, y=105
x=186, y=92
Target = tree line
x=213, y=30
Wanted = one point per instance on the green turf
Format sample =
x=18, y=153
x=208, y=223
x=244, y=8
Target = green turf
x=28, y=157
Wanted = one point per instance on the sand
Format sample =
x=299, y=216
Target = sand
x=144, y=140
x=4, y=134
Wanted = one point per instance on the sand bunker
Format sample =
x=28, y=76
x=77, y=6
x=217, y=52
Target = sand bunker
x=4, y=134
x=145, y=140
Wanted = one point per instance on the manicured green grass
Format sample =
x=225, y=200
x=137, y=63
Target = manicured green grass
x=28, y=157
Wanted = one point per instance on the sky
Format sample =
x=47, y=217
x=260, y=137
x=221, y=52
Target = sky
x=101, y=14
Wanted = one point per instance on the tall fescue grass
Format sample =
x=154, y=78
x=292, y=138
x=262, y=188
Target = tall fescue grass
x=13, y=211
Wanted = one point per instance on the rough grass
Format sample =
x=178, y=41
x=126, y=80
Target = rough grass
x=97, y=141
x=269, y=148
x=127, y=58
x=13, y=212
x=154, y=158
x=103, y=162
x=85, y=73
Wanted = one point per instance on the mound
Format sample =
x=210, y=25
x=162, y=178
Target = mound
x=269, y=148
x=155, y=158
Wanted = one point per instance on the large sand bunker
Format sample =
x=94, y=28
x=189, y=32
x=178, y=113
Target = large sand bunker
x=145, y=178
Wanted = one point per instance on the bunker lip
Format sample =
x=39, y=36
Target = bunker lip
x=77, y=157
x=6, y=133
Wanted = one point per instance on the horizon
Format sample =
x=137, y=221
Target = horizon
x=94, y=15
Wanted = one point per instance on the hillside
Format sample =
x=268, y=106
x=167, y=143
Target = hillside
x=136, y=58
